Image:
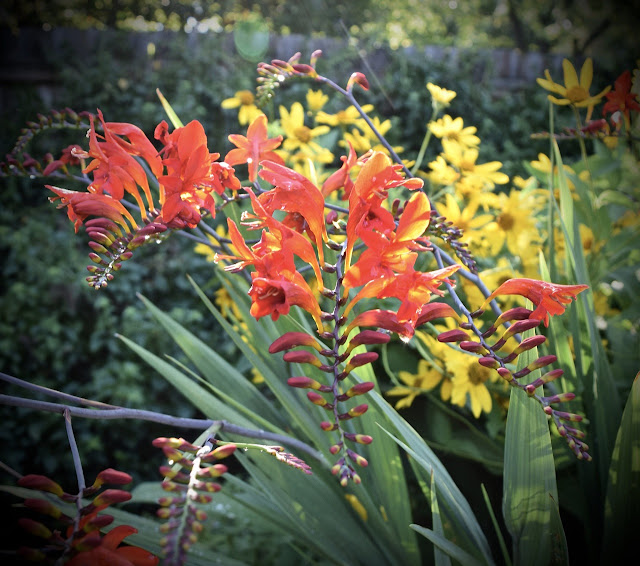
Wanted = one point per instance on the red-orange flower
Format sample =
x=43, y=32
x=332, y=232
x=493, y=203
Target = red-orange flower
x=550, y=298
x=276, y=296
x=412, y=288
x=81, y=205
x=370, y=188
x=110, y=553
x=621, y=99
x=393, y=252
x=254, y=148
x=340, y=179
x=115, y=170
x=298, y=196
x=187, y=185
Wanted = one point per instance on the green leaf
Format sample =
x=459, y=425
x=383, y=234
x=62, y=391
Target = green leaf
x=453, y=506
x=441, y=558
x=622, y=504
x=529, y=488
x=447, y=546
x=215, y=369
x=212, y=407
x=177, y=123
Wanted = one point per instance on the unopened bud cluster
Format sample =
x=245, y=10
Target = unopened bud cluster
x=519, y=320
x=329, y=397
x=190, y=480
x=70, y=536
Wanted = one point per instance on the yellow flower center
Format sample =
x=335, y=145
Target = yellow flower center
x=506, y=221
x=451, y=135
x=303, y=134
x=246, y=97
x=478, y=374
x=577, y=94
x=466, y=165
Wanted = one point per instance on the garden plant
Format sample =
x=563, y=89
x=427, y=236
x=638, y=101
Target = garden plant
x=356, y=281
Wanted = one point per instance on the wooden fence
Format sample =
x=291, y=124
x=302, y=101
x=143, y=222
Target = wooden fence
x=25, y=57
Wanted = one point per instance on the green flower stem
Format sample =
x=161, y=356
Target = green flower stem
x=583, y=147
x=423, y=149
x=435, y=110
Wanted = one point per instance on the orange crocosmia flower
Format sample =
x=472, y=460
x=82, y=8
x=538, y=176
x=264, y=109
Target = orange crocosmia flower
x=385, y=319
x=81, y=205
x=188, y=183
x=115, y=170
x=550, y=298
x=295, y=194
x=340, y=179
x=390, y=253
x=254, y=148
x=287, y=238
x=370, y=188
x=412, y=288
x=245, y=256
x=621, y=99
x=276, y=296
x=110, y=553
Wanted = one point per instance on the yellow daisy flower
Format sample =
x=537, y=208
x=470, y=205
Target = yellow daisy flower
x=466, y=219
x=316, y=99
x=453, y=129
x=440, y=96
x=464, y=159
x=424, y=380
x=297, y=135
x=244, y=100
x=574, y=91
x=442, y=173
x=515, y=224
x=347, y=117
x=469, y=379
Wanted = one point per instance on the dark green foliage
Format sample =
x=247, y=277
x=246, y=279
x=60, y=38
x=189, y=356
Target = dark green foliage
x=58, y=332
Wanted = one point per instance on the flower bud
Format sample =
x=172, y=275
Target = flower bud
x=359, y=389
x=302, y=382
x=559, y=398
x=455, y=335
x=360, y=360
x=327, y=426
x=317, y=399
x=291, y=340
x=35, y=528
x=488, y=362
x=357, y=78
x=357, y=458
x=41, y=483
x=111, y=496
x=220, y=453
x=301, y=357
x=112, y=477
x=471, y=346
x=359, y=438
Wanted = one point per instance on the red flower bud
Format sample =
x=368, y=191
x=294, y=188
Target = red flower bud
x=302, y=382
x=293, y=339
x=111, y=496
x=301, y=357
x=41, y=483
x=455, y=335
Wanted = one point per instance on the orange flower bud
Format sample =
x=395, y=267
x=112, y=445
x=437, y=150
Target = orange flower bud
x=291, y=340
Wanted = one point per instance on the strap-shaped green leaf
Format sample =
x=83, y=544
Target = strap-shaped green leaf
x=530, y=490
x=622, y=504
